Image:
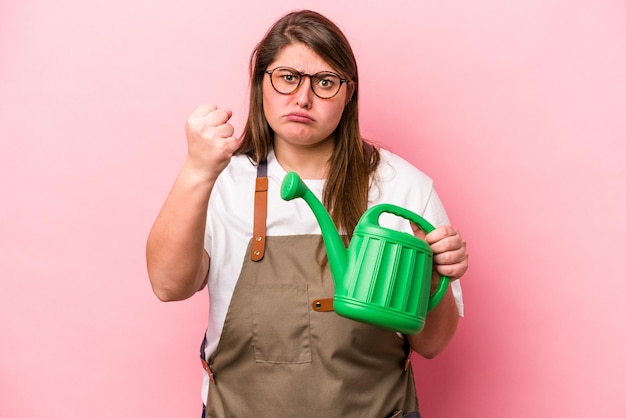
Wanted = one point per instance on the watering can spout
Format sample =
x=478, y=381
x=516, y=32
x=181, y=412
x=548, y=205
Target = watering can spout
x=293, y=187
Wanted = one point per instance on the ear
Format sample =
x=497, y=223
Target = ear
x=349, y=91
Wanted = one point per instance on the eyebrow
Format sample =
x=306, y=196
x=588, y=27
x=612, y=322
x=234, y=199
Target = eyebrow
x=304, y=72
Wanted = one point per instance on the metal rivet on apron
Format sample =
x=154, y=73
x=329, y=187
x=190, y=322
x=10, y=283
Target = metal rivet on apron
x=318, y=305
x=257, y=252
x=259, y=238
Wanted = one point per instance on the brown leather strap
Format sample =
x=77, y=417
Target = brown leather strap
x=323, y=305
x=408, y=350
x=206, y=367
x=260, y=213
x=407, y=362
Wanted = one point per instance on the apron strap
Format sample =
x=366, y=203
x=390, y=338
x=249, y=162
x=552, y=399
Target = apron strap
x=260, y=212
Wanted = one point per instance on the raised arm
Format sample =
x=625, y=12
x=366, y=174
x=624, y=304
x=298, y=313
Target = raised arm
x=176, y=260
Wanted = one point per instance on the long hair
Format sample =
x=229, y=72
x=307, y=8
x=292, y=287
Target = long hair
x=353, y=159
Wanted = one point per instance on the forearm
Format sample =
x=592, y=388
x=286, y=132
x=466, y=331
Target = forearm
x=176, y=260
x=439, y=328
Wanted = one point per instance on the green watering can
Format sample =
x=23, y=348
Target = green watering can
x=384, y=276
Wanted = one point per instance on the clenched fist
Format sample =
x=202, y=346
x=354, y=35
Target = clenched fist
x=210, y=140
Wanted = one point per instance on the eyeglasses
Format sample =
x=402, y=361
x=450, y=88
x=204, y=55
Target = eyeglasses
x=324, y=84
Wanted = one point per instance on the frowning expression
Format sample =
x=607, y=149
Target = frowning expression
x=301, y=117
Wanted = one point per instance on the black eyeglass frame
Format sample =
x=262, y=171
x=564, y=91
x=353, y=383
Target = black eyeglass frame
x=302, y=75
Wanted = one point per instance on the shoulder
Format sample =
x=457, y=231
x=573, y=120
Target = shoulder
x=393, y=168
x=401, y=183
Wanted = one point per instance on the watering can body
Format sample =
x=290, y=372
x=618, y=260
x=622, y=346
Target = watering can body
x=384, y=277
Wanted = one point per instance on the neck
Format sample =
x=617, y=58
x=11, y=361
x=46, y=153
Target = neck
x=309, y=162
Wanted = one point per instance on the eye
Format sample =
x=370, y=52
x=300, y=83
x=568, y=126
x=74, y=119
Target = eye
x=326, y=81
x=287, y=76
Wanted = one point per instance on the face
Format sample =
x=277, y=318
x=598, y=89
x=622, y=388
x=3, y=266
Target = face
x=301, y=118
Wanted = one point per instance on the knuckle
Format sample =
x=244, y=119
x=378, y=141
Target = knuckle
x=446, y=270
x=445, y=258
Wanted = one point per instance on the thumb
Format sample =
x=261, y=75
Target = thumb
x=233, y=143
x=417, y=231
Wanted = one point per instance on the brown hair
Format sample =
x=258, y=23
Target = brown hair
x=353, y=159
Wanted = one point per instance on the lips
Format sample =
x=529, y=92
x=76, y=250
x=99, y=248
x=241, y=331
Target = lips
x=299, y=117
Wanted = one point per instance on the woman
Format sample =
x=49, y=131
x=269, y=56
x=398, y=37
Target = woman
x=267, y=351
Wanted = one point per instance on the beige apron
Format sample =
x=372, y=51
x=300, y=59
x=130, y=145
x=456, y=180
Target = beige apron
x=283, y=352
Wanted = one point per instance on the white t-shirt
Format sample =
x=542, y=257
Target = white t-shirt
x=230, y=221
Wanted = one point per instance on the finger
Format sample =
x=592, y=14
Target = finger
x=450, y=257
x=203, y=110
x=417, y=231
x=452, y=263
x=218, y=117
x=440, y=233
x=225, y=130
x=233, y=143
x=452, y=243
x=453, y=271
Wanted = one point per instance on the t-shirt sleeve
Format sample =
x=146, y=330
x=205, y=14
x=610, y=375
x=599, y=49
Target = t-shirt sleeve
x=436, y=215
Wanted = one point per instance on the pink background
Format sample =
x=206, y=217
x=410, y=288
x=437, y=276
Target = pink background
x=517, y=109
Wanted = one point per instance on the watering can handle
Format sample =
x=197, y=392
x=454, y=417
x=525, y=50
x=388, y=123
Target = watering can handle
x=372, y=216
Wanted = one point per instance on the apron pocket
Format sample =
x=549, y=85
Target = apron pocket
x=280, y=327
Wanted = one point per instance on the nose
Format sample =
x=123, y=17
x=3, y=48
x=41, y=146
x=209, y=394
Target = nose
x=304, y=93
